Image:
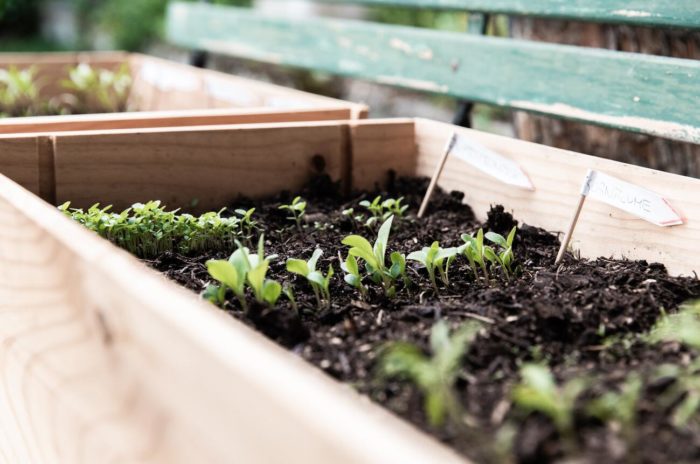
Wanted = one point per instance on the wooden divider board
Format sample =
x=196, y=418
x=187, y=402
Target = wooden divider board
x=105, y=361
x=557, y=175
x=180, y=118
x=19, y=160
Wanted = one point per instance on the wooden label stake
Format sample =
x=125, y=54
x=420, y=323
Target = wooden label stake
x=631, y=198
x=436, y=175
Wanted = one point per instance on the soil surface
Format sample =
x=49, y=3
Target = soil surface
x=582, y=318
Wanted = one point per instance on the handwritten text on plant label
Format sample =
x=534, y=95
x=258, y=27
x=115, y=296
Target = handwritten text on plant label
x=491, y=163
x=630, y=198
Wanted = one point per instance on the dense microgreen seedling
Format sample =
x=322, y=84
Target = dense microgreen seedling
x=505, y=256
x=319, y=283
x=434, y=375
x=539, y=392
x=96, y=90
x=147, y=229
x=436, y=258
x=374, y=258
x=297, y=209
x=240, y=269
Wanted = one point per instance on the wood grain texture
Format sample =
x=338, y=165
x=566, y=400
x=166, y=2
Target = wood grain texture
x=180, y=118
x=602, y=87
x=557, y=175
x=679, y=13
x=202, y=168
x=19, y=160
x=103, y=361
x=381, y=147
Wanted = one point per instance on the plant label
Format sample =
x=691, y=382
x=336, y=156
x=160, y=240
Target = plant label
x=630, y=198
x=491, y=163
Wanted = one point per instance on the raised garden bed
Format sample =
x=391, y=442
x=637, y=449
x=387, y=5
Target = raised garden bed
x=137, y=350
x=62, y=91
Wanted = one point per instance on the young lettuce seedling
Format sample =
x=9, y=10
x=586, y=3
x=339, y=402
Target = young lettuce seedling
x=374, y=257
x=539, y=392
x=241, y=268
x=434, y=375
x=435, y=257
x=247, y=223
x=505, y=257
x=319, y=283
x=619, y=407
x=381, y=210
x=297, y=209
x=477, y=253
x=352, y=273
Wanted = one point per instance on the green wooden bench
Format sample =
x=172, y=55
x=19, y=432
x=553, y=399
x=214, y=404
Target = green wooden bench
x=640, y=93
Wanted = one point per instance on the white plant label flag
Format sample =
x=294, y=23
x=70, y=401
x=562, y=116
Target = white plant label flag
x=489, y=162
x=630, y=198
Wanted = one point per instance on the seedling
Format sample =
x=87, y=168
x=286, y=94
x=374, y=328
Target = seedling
x=434, y=375
x=682, y=327
x=319, y=283
x=619, y=407
x=147, y=229
x=684, y=393
x=374, y=257
x=289, y=293
x=381, y=210
x=241, y=268
x=352, y=273
x=539, y=392
x=248, y=224
x=505, y=257
x=435, y=257
x=19, y=92
x=297, y=209
x=97, y=90
x=478, y=254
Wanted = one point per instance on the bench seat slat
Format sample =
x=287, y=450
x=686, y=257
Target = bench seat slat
x=641, y=93
x=662, y=13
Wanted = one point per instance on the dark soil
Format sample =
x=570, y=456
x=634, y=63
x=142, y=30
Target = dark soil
x=585, y=317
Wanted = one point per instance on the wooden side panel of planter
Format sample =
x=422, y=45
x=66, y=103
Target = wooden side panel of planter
x=196, y=168
x=19, y=160
x=103, y=360
x=558, y=175
x=165, y=85
x=380, y=147
x=181, y=118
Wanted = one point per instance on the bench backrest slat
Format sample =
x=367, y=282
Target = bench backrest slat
x=641, y=93
x=660, y=13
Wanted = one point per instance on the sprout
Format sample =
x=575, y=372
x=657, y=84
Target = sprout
x=434, y=376
x=352, y=273
x=374, y=257
x=97, y=90
x=620, y=407
x=241, y=268
x=382, y=210
x=478, y=254
x=319, y=283
x=682, y=327
x=248, y=224
x=19, y=92
x=538, y=392
x=433, y=258
x=505, y=257
x=297, y=209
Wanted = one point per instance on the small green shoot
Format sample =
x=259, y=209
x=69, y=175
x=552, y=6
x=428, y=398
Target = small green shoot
x=434, y=375
x=538, y=392
x=505, y=257
x=319, y=283
x=381, y=210
x=352, y=273
x=297, y=209
x=682, y=327
x=436, y=258
x=619, y=407
x=248, y=225
x=684, y=394
x=374, y=257
x=96, y=90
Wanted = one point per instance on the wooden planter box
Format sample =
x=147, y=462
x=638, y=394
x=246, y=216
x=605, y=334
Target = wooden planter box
x=172, y=94
x=103, y=359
